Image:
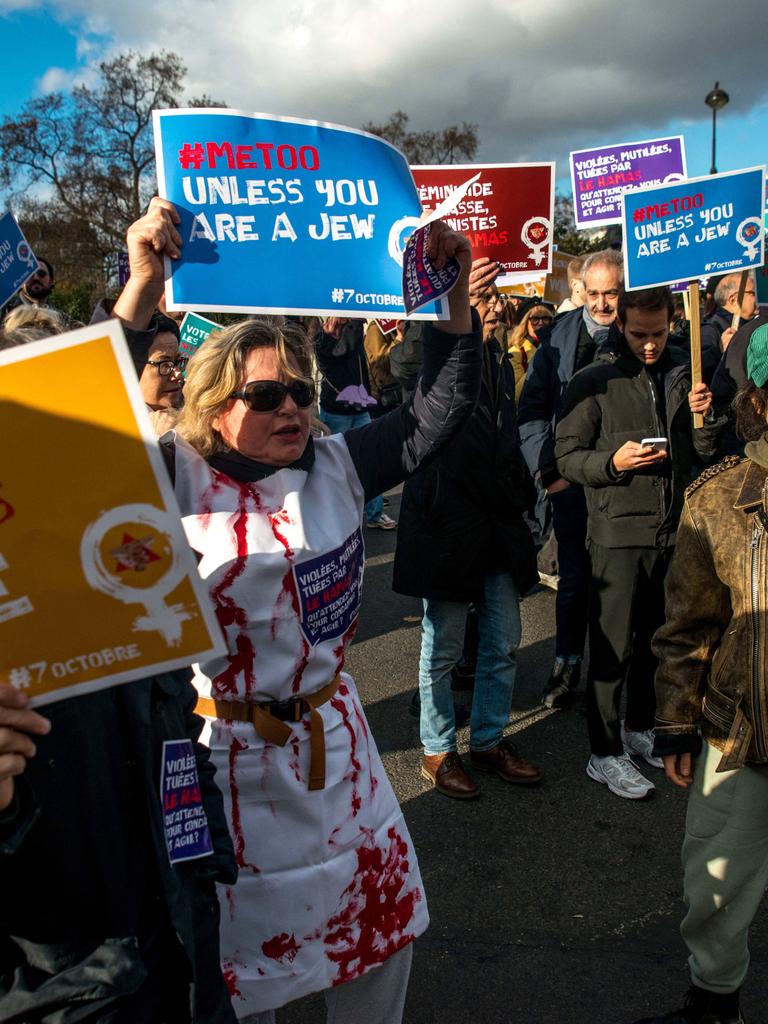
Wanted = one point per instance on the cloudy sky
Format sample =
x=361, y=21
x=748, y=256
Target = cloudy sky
x=539, y=77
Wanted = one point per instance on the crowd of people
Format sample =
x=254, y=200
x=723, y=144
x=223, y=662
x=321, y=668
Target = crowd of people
x=518, y=430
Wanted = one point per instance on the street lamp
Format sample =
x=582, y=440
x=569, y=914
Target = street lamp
x=717, y=98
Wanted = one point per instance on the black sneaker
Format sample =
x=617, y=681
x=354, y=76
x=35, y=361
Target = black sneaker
x=702, y=1007
x=561, y=684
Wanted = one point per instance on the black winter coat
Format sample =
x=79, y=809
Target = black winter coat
x=462, y=516
x=711, y=333
x=730, y=375
x=613, y=401
x=343, y=362
x=86, y=883
x=541, y=401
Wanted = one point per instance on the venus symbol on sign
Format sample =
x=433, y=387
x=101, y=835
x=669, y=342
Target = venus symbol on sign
x=164, y=618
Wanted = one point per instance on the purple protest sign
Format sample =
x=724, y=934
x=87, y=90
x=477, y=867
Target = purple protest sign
x=187, y=835
x=422, y=281
x=123, y=269
x=329, y=589
x=599, y=176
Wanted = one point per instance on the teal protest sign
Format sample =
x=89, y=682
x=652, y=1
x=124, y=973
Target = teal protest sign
x=194, y=330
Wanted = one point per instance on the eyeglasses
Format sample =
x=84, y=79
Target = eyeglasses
x=165, y=367
x=540, y=319
x=268, y=395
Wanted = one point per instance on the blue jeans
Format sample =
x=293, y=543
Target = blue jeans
x=340, y=424
x=442, y=640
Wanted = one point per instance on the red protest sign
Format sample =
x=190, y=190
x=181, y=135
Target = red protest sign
x=507, y=213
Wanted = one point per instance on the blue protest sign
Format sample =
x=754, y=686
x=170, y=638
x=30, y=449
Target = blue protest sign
x=693, y=229
x=17, y=261
x=187, y=835
x=284, y=215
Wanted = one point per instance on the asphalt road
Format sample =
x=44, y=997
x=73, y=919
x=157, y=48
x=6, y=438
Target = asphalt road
x=558, y=904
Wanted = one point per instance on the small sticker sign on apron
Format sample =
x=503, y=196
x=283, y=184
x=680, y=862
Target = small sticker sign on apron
x=329, y=590
x=187, y=835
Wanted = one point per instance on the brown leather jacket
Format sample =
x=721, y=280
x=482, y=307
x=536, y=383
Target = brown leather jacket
x=713, y=648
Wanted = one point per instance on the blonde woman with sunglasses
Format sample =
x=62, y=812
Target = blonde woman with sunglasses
x=329, y=895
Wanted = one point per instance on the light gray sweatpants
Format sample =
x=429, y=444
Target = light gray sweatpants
x=725, y=859
x=377, y=997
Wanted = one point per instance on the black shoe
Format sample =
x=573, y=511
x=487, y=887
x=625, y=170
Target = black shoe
x=561, y=684
x=702, y=1007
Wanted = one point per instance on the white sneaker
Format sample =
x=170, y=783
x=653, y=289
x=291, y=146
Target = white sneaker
x=382, y=522
x=620, y=776
x=641, y=744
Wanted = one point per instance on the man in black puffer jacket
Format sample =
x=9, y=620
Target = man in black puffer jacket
x=462, y=538
x=634, y=498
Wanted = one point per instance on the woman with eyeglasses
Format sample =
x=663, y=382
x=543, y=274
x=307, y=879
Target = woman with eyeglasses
x=153, y=344
x=523, y=342
x=329, y=895
x=161, y=378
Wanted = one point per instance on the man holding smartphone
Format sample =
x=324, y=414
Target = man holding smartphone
x=626, y=436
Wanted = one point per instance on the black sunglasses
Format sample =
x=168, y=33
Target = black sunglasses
x=268, y=395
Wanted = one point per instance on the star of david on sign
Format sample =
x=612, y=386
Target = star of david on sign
x=135, y=553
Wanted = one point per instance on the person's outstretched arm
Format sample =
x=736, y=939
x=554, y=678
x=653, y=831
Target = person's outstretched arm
x=394, y=446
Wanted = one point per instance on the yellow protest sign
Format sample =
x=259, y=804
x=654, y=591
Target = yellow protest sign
x=526, y=286
x=549, y=287
x=557, y=288
x=97, y=583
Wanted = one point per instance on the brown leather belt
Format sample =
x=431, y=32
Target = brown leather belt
x=270, y=718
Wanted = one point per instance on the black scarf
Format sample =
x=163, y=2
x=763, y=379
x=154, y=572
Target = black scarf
x=246, y=470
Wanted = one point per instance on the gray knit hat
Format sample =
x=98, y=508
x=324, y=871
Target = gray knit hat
x=757, y=356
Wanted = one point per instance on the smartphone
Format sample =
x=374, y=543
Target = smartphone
x=657, y=443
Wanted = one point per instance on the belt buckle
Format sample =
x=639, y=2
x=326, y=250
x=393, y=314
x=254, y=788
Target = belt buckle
x=292, y=709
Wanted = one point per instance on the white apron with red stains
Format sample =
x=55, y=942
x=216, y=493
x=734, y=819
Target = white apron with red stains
x=329, y=885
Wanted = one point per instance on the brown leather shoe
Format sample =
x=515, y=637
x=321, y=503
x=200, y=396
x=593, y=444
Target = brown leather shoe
x=506, y=761
x=446, y=773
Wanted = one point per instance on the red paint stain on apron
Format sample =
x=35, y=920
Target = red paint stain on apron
x=277, y=520
x=231, y=979
x=237, y=826
x=282, y=948
x=294, y=763
x=354, y=773
x=229, y=613
x=340, y=652
x=376, y=908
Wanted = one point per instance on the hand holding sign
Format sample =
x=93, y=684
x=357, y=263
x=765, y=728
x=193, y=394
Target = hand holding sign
x=700, y=399
x=150, y=239
x=446, y=245
x=16, y=723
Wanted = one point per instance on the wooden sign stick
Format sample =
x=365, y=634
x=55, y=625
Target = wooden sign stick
x=693, y=298
x=687, y=305
x=742, y=289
